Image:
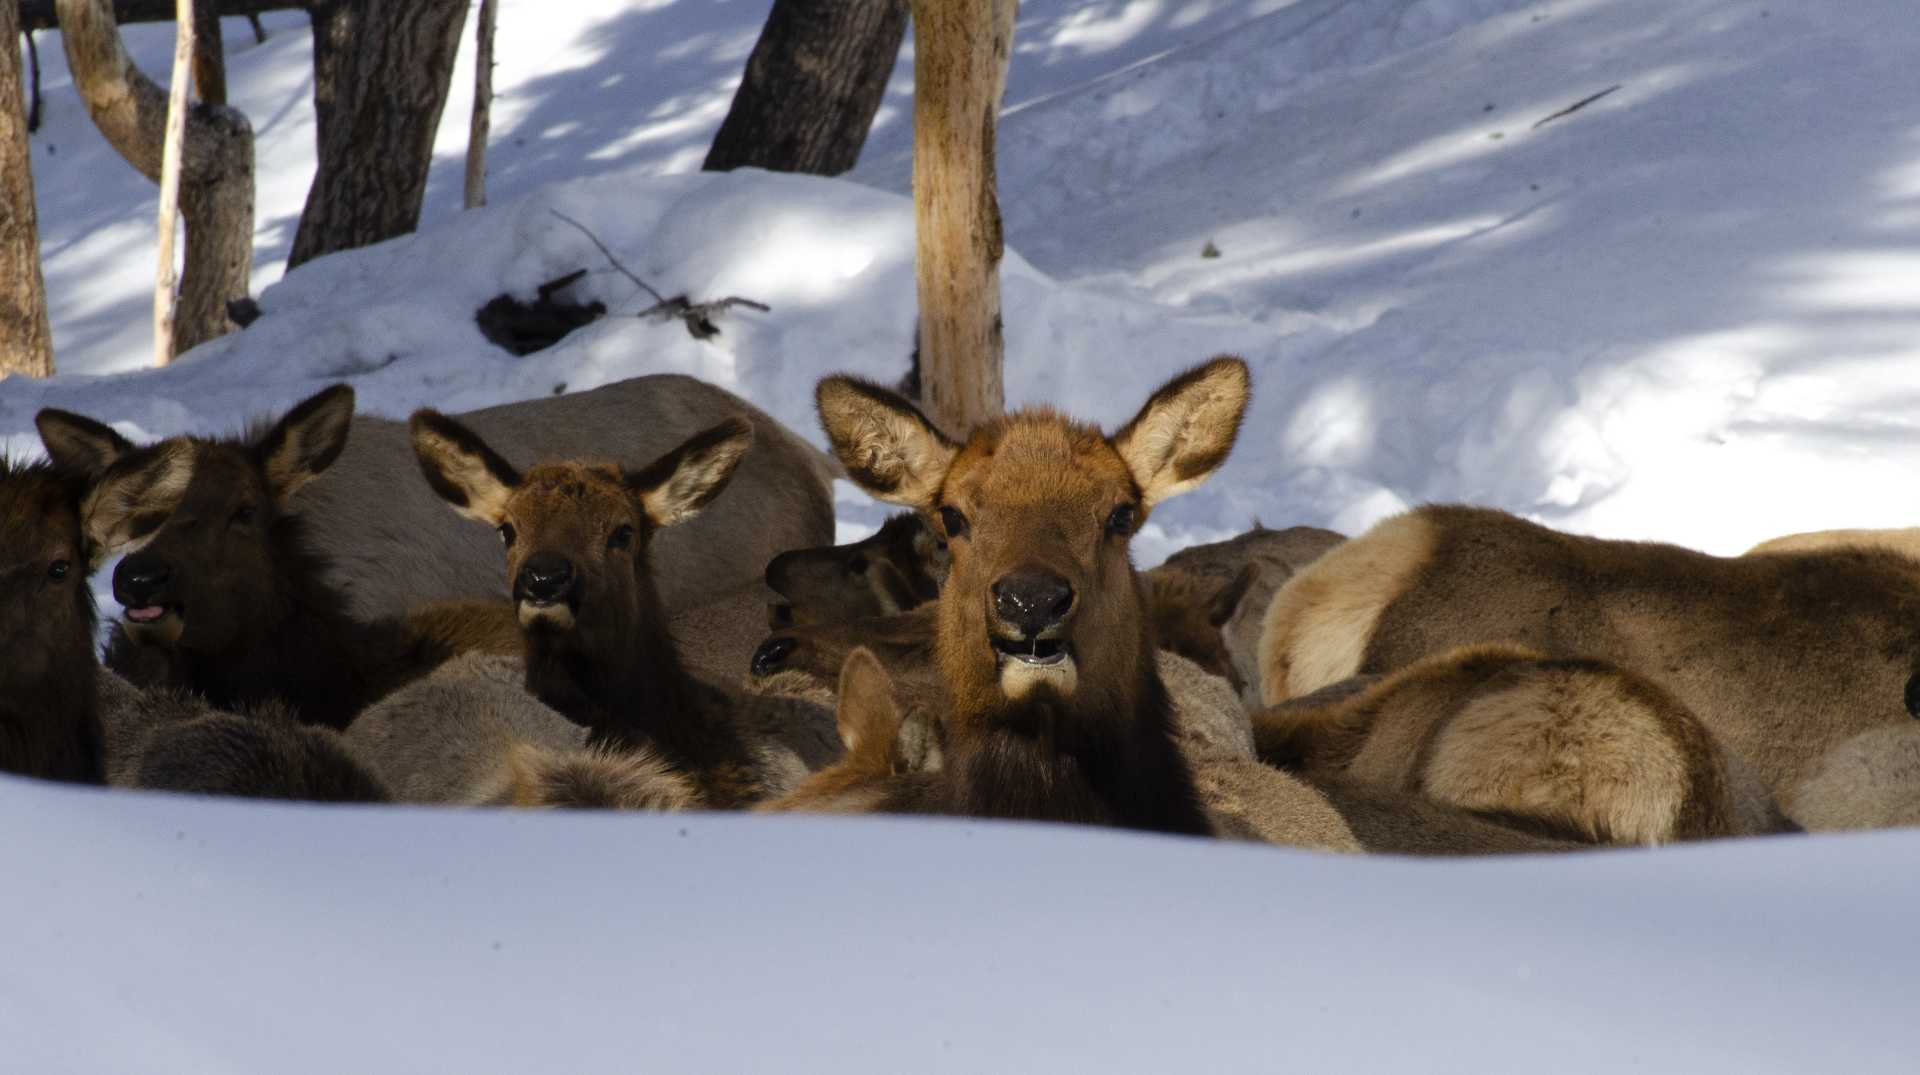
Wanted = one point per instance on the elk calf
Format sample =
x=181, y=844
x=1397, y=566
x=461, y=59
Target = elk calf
x=49, y=705
x=897, y=569
x=577, y=538
x=1580, y=746
x=1780, y=656
x=223, y=596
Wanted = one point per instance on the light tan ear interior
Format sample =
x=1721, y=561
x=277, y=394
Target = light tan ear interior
x=866, y=712
x=1185, y=431
x=701, y=474
x=456, y=470
x=154, y=488
x=307, y=441
x=888, y=449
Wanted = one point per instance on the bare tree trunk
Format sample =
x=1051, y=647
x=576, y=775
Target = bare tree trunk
x=381, y=71
x=216, y=166
x=165, y=300
x=961, y=50
x=482, y=108
x=812, y=86
x=209, y=54
x=43, y=14
x=26, y=344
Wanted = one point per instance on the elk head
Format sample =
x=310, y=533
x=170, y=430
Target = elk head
x=211, y=553
x=895, y=570
x=46, y=609
x=577, y=535
x=1042, y=601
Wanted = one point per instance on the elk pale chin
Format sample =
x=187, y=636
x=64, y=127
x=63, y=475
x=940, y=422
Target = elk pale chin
x=557, y=616
x=1030, y=664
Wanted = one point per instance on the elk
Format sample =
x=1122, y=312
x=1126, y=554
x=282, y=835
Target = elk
x=578, y=538
x=1055, y=706
x=1871, y=781
x=1903, y=540
x=1574, y=745
x=1780, y=656
x=898, y=568
x=49, y=705
x=877, y=766
x=224, y=595
x=390, y=546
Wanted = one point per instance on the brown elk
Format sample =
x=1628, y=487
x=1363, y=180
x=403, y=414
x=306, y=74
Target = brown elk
x=1781, y=656
x=578, y=539
x=223, y=594
x=1575, y=745
x=898, y=568
x=49, y=707
x=1056, y=709
x=876, y=769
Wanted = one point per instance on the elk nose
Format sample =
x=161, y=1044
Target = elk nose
x=139, y=577
x=1032, y=600
x=545, y=579
x=771, y=654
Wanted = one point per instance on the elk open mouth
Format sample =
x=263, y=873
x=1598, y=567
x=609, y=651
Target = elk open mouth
x=1039, y=651
x=148, y=615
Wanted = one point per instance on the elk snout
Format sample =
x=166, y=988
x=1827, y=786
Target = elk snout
x=1032, y=601
x=772, y=654
x=545, y=579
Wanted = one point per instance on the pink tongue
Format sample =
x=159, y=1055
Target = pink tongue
x=147, y=614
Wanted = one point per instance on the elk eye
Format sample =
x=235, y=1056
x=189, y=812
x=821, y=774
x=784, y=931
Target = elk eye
x=508, y=534
x=955, y=523
x=1120, y=523
x=58, y=570
x=857, y=565
x=621, y=538
x=243, y=515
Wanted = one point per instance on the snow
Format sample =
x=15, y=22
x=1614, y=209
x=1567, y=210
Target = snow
x=1687, y=311
x=179, y=935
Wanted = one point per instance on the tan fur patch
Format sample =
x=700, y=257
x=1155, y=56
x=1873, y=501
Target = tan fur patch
x=1567, y=746
x=1903, y=540
x=603, y=778
x=155, y=489
x=1320, y=623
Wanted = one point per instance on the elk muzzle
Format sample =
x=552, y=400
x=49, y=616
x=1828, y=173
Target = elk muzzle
x=547, y=590
x=140, y=584
x=1030, y=607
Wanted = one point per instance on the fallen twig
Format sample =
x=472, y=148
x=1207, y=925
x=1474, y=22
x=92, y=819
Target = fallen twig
x=1574, y=107
x=697, y=316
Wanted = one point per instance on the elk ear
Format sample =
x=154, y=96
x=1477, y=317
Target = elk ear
x=1227, y=601
x=305, y=441
x=1185, y=431
x=461, y=468
x=888, y=447
x=80, y=444
x=674, y=487
x=868, y=717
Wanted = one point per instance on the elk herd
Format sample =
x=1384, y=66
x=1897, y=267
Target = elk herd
x=629, y=598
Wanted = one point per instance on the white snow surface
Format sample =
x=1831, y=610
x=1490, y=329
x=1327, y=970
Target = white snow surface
x=1688, y=311
x=167, y=934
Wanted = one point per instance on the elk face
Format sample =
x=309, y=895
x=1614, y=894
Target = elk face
x=577, y=534
x=896, y=570
x=46, y=609
x=1038, y=512
x=204, y=523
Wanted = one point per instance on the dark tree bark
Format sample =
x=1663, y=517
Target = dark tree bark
x=26, y=344
x=380, y=76
x=812, y=85
x=216, y=169
x=209, y=54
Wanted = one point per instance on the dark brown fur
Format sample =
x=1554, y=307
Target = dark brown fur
x=603, y=657
x=250, y=618
x=49, y=708
x=1086, y=739
x=260, y=756
x=897, y=569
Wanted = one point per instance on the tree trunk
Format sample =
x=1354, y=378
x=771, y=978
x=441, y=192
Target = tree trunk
x=44, y=14
x=165, y=298
x=209, y=54
x=26, y=344
x=812, y=85
x=961, y=50
x=381, y=71
x=216, y=173
x=482, y=108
